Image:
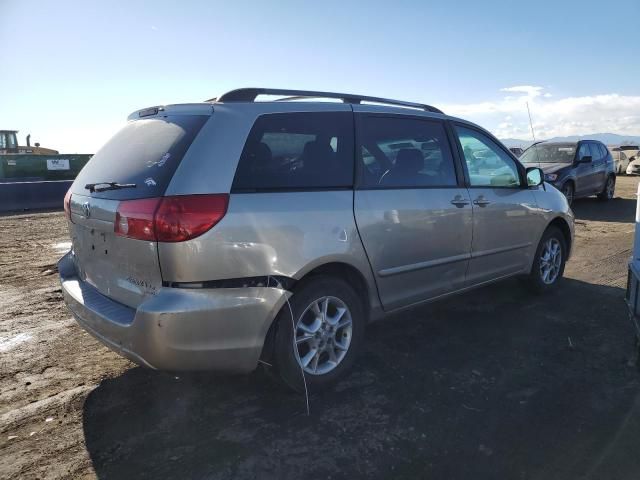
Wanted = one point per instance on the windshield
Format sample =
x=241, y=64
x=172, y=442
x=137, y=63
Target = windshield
x=8, y=140
x=145, y=153
x=549, y=153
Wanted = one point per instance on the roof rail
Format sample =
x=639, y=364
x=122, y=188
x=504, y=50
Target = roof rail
x=250, y=94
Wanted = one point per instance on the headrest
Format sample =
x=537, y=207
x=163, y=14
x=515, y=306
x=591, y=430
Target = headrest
x=260, y=153
x=409, y=160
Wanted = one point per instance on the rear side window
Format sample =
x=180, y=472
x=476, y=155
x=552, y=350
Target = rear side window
x=398, y=152
x=145, y=153
x=603, y=150
x=297, y=151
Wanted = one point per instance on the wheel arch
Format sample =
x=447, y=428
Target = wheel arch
x=572, y=181
x=563, y=226
x=342, y=270
x=339, y=269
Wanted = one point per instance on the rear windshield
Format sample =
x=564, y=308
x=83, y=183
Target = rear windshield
x=145, y=153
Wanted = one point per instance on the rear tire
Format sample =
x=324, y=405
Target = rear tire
x=548, y=268
x=609, y=189
x=329, y=330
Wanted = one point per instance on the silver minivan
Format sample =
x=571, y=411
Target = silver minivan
x=218, y=235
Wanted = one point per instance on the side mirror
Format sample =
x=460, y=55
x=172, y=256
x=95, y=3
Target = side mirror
x=535, y=177
x=585, y=159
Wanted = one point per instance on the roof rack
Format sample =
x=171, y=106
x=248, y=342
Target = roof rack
x=250, y=94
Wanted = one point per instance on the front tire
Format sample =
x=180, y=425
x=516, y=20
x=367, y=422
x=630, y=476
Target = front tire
x=609, y=189
x=568, y=190
x=548, y=264
x=325, y=336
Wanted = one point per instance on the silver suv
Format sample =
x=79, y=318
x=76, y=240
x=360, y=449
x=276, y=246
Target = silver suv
x=217, y=235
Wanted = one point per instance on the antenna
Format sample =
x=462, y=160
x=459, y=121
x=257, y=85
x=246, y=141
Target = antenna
x=534, y=144
x=533, y=134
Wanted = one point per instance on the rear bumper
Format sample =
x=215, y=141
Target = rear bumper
x=178, y=329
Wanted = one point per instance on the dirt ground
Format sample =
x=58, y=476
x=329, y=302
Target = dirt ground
x=494, y=384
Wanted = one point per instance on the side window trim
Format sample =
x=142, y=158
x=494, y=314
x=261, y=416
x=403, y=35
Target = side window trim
x=518, y=165
x=458, y=158
x=358, y=116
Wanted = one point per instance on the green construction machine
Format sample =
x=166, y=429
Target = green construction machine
x=20, y=163
x=9, y=145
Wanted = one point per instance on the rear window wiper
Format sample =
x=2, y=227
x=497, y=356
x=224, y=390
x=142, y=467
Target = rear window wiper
x=104, y=186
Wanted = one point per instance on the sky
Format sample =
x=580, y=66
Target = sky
x=73, y=70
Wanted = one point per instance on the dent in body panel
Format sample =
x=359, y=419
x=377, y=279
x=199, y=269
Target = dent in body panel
x=184, y=320
x=284, y=233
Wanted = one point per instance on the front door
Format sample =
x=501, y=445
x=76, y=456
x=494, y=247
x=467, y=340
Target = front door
x=504, y=210
x=599, y=166
x=413, y=213
x=585, y=178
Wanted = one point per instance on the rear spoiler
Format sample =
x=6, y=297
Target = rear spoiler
x=178, y=109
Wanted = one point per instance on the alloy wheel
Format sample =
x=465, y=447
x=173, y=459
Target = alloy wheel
x=323, y=335
x=550, y=261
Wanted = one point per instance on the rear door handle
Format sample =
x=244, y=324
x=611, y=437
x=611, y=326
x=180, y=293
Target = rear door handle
x=459, y=201
x=481, y=201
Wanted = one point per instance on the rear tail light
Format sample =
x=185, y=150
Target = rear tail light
x=67, y=204
x=184, y=217
x=134, y=218
x=170, y=219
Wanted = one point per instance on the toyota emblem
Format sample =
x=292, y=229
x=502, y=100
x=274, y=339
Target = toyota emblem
x=86, y=209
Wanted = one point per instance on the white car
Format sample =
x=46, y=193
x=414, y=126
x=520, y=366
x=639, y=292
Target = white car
x=620, y=160
x=623, y=155
x=633, y=168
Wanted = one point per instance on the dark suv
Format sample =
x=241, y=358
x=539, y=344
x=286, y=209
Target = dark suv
x=577, y=169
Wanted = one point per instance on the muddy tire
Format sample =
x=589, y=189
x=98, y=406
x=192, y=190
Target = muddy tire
x=324, y=337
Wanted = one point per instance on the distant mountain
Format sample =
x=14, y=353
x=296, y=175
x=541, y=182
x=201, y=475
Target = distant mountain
x=514, y=142
x=606, y=138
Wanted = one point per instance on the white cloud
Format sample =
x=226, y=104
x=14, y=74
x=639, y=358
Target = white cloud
x=552, y=116
x=529, y=90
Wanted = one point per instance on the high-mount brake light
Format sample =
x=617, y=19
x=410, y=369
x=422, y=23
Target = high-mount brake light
x=147, y=112
x=170, y=219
